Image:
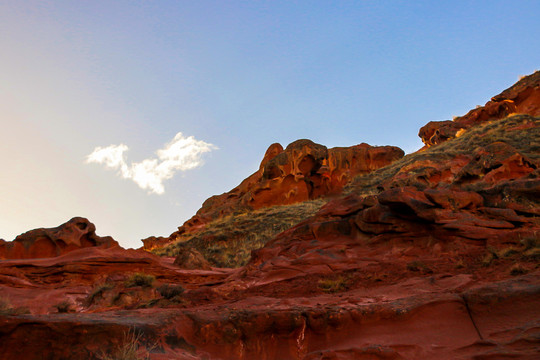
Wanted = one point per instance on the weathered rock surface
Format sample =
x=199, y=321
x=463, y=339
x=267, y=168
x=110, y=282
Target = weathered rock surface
x=522, y=98
x=435, y=256
x=75, y=234
x=302, y=171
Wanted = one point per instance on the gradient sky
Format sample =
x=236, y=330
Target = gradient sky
x=235, y=75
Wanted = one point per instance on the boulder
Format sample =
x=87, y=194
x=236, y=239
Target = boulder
x=75, y=234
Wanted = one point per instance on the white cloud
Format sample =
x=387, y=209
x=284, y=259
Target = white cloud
x=181, y=154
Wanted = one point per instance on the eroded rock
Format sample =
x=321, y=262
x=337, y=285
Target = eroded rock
x=75, y=234
x=522, y=98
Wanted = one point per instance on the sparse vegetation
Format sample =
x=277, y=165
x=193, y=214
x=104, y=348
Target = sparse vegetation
x=333, y=285
x=98, y=291
x=130, y=349
x=489, y=258
x=517, y=269
x=507, y=252
x=418, y=266
x=170, y=291
x=7, y=309
x=63, y=306
x=531, y=242
x=228, y=242
x=140, y=279
x=460, y=264
x=480, y=135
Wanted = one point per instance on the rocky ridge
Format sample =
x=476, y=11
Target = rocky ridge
x=433, y=256
x=302, y=171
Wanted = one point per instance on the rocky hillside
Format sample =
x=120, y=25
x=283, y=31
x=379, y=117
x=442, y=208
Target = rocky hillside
x=432, y=255
x=229, y=226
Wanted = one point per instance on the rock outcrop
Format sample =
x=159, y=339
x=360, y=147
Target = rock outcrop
x=434, y=256
x=521, y=98
x=75, y=234
x=302, y=171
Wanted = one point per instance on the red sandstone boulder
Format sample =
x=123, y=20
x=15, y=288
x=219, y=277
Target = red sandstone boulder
x=41, y=243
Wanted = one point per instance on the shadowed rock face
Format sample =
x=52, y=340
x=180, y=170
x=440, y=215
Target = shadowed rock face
x=521, y=98
x=39, y=243
x=302, y=171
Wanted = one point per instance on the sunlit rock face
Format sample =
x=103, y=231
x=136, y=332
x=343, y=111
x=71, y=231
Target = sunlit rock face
x=522, y=98
x=41, y=243
x=302, y=171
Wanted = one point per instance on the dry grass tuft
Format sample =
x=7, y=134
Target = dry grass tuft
x=98, y=291
x=334, y=285
x=478, y=136
x=64, y=306
x=517, y=269
x=140, y=279
x=419, y=266
x=229, y=241
x=130, y=349
x=170, y=291
x=6, y=309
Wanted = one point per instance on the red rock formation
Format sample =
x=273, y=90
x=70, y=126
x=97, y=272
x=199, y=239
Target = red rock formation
x=39, y=243
x=433, y=257
x=303, y=171
x=522, y=98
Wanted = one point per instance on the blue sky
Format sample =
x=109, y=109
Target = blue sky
x=236, y=75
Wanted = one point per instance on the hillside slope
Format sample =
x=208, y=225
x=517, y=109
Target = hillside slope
x=434, y=256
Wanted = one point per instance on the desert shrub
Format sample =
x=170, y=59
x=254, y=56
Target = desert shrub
x=532, y=254
x=130, y=349
x=333, y=285
x=490, y=256
x=517, y=269
x=170, y=291
x=460, y=264
x=418, y=266
x=98, y=290
x=140, y=279
x=5, y=307
x=531, y=243
x=507, y=252
x=63, y=306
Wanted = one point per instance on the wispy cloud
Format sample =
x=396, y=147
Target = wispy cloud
x=181, y=154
